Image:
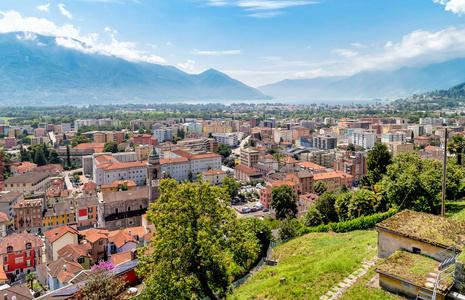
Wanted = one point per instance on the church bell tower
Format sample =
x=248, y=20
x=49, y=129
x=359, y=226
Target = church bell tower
x=153, y=176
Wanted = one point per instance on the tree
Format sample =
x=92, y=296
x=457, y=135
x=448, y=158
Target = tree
x=30, y=279
x=343, y=189
x=415, y=183
x=232, y=187
x=325, y=205
x=365, y=181
x=80, y=139
x=350, y=147
x=311, y=218
x=456, y=147
x=320, y=187
x=377, y=161
x=287, y=229
x=284, y=202
x=198, y=258
x=223, y=150
x=189, y=175
x=76, y=177
x=110, y=147
x=295, y=157
x=68, y=156
x=210, y=135
x=39, y=157
x=261, y=230
x=25, y=155
x=55, y=157
x=101, y=284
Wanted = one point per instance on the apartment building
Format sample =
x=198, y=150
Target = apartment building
x=364, y=138
x=249, y=157
x=324, y=142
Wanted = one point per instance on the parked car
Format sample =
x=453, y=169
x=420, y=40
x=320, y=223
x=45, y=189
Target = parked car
x=245, y=209
x=266, y=210
x=253, y=209
x=258, y=206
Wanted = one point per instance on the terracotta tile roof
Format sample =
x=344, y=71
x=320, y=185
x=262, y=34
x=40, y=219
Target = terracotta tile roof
x=120, y=238
x=21, y=292
x=182, y=153
x=54, y=234
x=309, y=197
x=3, y=217
x=49, y=167
x=74, y=251
x=121, y=165
x=421, y=138
x=213, y=172
x=94, y=234
x=429, y=147
x=289, y=160
x=246, y=170
x=28, y=203
x=138, y=231
x=89, y=186
x=29, y=177
x=203, y=156
x=327, y=175
x=148, y=237
x=121, y=257
x=173, y=160
x=309, y=165
x=98, y=147
x=18, y=241
x=57, y=269
x=118, y=183
x=282, y=182
x=269, y=156
x=105, y=158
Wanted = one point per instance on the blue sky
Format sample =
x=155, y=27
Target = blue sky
x=255, y=41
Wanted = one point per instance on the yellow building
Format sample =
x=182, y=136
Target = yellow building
x=117, y=185
x=388, y=127
x=59, y=214
x=398, y=147
x=143, y=151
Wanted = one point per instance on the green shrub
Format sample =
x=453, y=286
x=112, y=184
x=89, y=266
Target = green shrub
x=362, y=223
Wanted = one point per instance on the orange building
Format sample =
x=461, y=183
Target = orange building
x=117, y=185
x=266, y=194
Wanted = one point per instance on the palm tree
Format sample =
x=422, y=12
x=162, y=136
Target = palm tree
x=30, y=279
x=456, y=147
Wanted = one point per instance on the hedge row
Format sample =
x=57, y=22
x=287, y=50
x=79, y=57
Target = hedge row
x=364, y=222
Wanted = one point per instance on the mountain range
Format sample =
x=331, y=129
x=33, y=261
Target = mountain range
x=373, y=84
x=38, y=71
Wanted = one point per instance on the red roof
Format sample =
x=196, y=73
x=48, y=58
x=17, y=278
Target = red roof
x=117, y=183
x=309, y=165
x=54, y=234
x=121, y=165
x=173, y=160
x=213, y=172
x=246, y=169
x=289, y=160
x=105, y=158
x=121, y=257
x=421, y=138
x=98, y=147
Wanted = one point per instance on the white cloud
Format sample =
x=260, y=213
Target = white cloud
x=358, y=45
x=107, y=29
x=70, y=37
x=217, y=53
x=44, y=7
x=455, y=6
x=154, y=46
x=345, y=52
x=64, y=12
x=188, y=65
x=27, y=36
x=169, y=44
x=263, y=15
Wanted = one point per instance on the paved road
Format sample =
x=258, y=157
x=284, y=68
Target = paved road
x=241, y=145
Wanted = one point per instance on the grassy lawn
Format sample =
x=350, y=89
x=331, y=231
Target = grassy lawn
x=456, y=210
x=6, y=119
x=311, y=265
x=360, y=291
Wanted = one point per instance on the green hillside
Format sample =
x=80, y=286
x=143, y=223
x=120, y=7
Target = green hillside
x=312, y=265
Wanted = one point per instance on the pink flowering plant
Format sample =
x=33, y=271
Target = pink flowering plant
x=102, y=266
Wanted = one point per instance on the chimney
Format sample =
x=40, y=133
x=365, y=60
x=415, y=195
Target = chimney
x=64, y=267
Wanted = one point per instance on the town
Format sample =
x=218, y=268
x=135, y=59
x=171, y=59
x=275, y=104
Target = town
x=74, y=195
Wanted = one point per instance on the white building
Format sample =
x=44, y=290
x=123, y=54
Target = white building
x=79, y=123
x=364, y=138
x=392, y=137
x=65, y=127
x=181, y=162
x=163, y=134
x=229, y=139
x=107, y=169
x=285, y=135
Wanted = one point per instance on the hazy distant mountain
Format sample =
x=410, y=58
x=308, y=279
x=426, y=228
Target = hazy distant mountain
x=41, y=72
x=373, y=84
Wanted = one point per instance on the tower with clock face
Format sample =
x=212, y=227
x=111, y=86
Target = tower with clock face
x=153, y=176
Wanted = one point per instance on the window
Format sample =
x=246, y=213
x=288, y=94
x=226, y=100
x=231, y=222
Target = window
x=100, y=242
x=6, y=268
x=18, y=260
x=28, y=253
x=116, y=210
x=416, y=250
x=80, y=260
x=5, y=259
x=9, y=249
x=129, y=208
x=28, y=246
x=28, y=263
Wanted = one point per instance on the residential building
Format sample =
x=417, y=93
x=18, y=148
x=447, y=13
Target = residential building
x=281, y=135
x=305, y=142
x=163, y=134
x=20, y=253
x=87, y=211
x=143, y=151
x=145, y=139
x=177, y=168
x=60, y=272
x=118, y=185
x=331, y=179
x=304, y=178
x=396, y=148
x=59, y=214
x=10, y=142
x=298, y=132
x=307, y=124
x=246, y=174
x=78, y=253
x=319, y=157
x=194, y=127
x=353, y=163
x=214, y=176
x=229, y=139
x=3, y=224
x=313, y=168
x=182, y=161
x=79, y=123
x=420, y=140
x=324, y=142
x=98, y=241
x=249, y=157
x=22, y=167
x=7, y=201
x=289, y=164
x=266, y=194
x=364, y=138
x=268, y=162
x=393, y=137
x=120, y=241
x=89, y=188
x=109, y=122
x=107, y=169
x=254, y=121
x=57, y=238
x=28, y=183
x=28, y=214
x=418, y=130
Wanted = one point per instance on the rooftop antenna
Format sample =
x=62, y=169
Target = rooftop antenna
x=443, y=206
